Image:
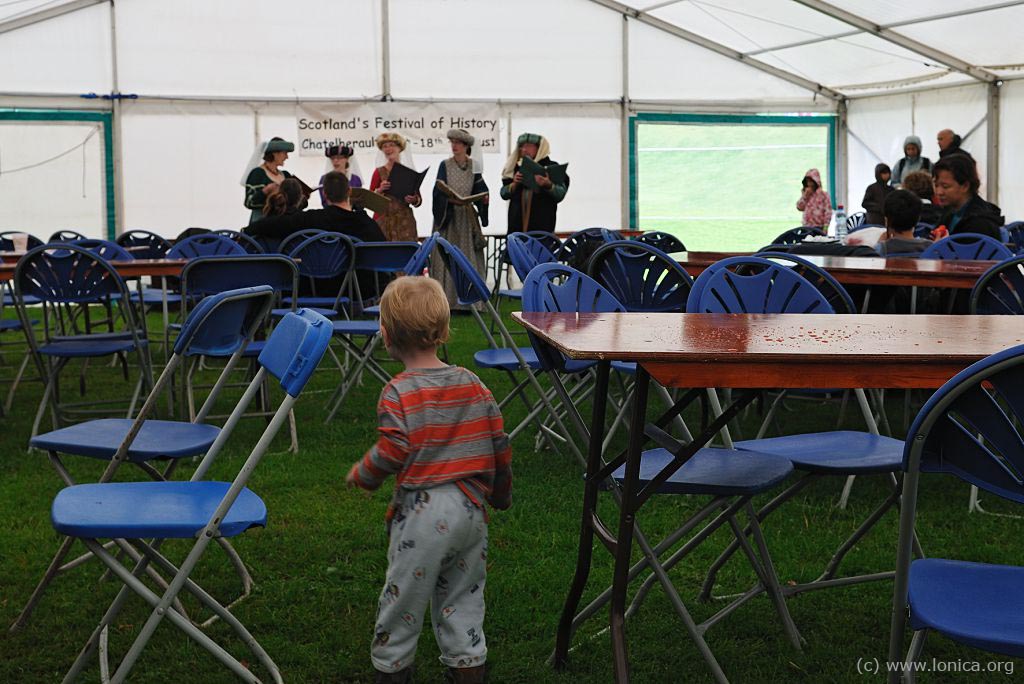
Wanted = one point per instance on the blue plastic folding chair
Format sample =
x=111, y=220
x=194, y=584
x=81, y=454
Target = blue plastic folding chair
x=66, y=280
x=387, y=258
x=525, y=252
x=142, y=515
x=578, y=247
x=968, y=246
x=666, y=242
x=856, y=221
x=1015, y=235
x=757, y=285
x=204, y=244
x=1000, y=290
x=10, y=240
x=222, y=324
x=66, y=236
x=324, y=261
x=796, y=235
x=144, y=244
x=247, y=242
x=729, y=476
x=519, y=363
x=970, y=429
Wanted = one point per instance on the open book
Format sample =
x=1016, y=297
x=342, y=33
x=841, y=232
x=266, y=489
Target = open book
x=456, y=198
x=404, y=181
x=529, y=168
x=306, y=190
x=361, y=197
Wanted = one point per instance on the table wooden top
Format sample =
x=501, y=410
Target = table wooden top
x=127, y=269
x=960, y=274
x=782, y=350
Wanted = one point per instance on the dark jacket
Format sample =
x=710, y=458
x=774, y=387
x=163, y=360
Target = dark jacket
x=352, y=223
x=977, y=216
x=930, y=213
x=442, y=209
x=955, y=149
x=874, y=197
x=543, y=208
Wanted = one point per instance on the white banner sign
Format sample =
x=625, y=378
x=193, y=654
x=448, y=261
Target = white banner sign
x=423, y=125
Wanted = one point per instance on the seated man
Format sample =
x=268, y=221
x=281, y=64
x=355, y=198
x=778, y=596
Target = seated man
x=902, y=210
x=337, y=216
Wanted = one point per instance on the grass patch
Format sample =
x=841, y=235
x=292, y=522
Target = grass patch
x=320, y=562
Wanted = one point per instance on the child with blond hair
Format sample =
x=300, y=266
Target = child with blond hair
x=441, y=434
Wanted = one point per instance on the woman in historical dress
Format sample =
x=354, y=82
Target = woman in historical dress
x=460, y=222
x=263, y=179
x=398, y=222
x=340, y=158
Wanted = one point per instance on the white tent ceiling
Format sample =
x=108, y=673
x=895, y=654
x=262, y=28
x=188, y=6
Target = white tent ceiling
x=215, y=75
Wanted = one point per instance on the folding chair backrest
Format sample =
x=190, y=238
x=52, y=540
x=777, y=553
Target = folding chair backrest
x=611, y=235
x=1015, y=235
x=295, y=348
x=555, y=287
x=66, y=236
x=291, y=241
x=834, y=292
x=8, y=238
x=755, y=286
x=111, y=251
x=856, y=221
x=384, y=257
x=971, y=426
x=220, y=323
x=1000, y=290
x=641, y=277
x=206, y=244
x=325, y=255
x=795, y=235
x=548, y=239
x=66, y=274
x=142, y=244
x=525, y=252
x=210, y=275
x=578, y=247
x=247, y=242
x=419, y=259
x=469, y=285
x=666, y=242
x=967, y=246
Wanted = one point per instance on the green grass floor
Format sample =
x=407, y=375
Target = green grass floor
x=320, y=562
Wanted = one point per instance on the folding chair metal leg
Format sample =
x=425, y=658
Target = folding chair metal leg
x=914, y=655
x=9, y=401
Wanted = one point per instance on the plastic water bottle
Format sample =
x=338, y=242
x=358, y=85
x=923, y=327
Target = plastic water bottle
x=840, y=216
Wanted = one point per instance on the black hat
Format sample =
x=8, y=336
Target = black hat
x=338, y=151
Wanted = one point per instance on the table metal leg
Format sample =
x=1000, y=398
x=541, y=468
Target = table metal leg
x=627, y=516
x=588, y=519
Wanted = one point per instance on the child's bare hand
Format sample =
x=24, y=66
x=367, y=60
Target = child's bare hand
x=352, y=479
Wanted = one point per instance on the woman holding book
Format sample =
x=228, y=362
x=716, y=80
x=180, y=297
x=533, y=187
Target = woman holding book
x=340, y=159
x=457, y=217
x=263, y=179
x=533, y=193
x=398, y=222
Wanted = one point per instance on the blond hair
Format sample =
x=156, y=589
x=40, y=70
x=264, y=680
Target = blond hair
x=415, y=313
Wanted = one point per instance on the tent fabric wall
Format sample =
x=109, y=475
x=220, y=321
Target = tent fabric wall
x=1011, y=143
x=68, y=191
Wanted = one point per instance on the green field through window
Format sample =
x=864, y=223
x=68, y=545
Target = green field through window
x=725, y=187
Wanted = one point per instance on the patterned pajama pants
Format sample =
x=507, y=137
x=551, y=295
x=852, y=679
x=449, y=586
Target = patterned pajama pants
x=437, y=555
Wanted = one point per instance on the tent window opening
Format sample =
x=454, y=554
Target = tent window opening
x=720, y=185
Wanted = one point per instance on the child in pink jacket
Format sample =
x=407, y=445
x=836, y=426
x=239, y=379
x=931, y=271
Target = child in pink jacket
x=814, y=201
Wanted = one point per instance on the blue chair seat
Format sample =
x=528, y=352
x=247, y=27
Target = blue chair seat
x=357, y=327
x=373, y=310
x=974, y=603
x=30, y=300
x=839, y=451
x=718, y=472
x=13, y=324
x=511, y=294
x=626, y=367
x=157, y=438
x=88, y=347
x=158, y=510
x=154, y=296
x=326, y=313
x=505, y=359
x=312, y=302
